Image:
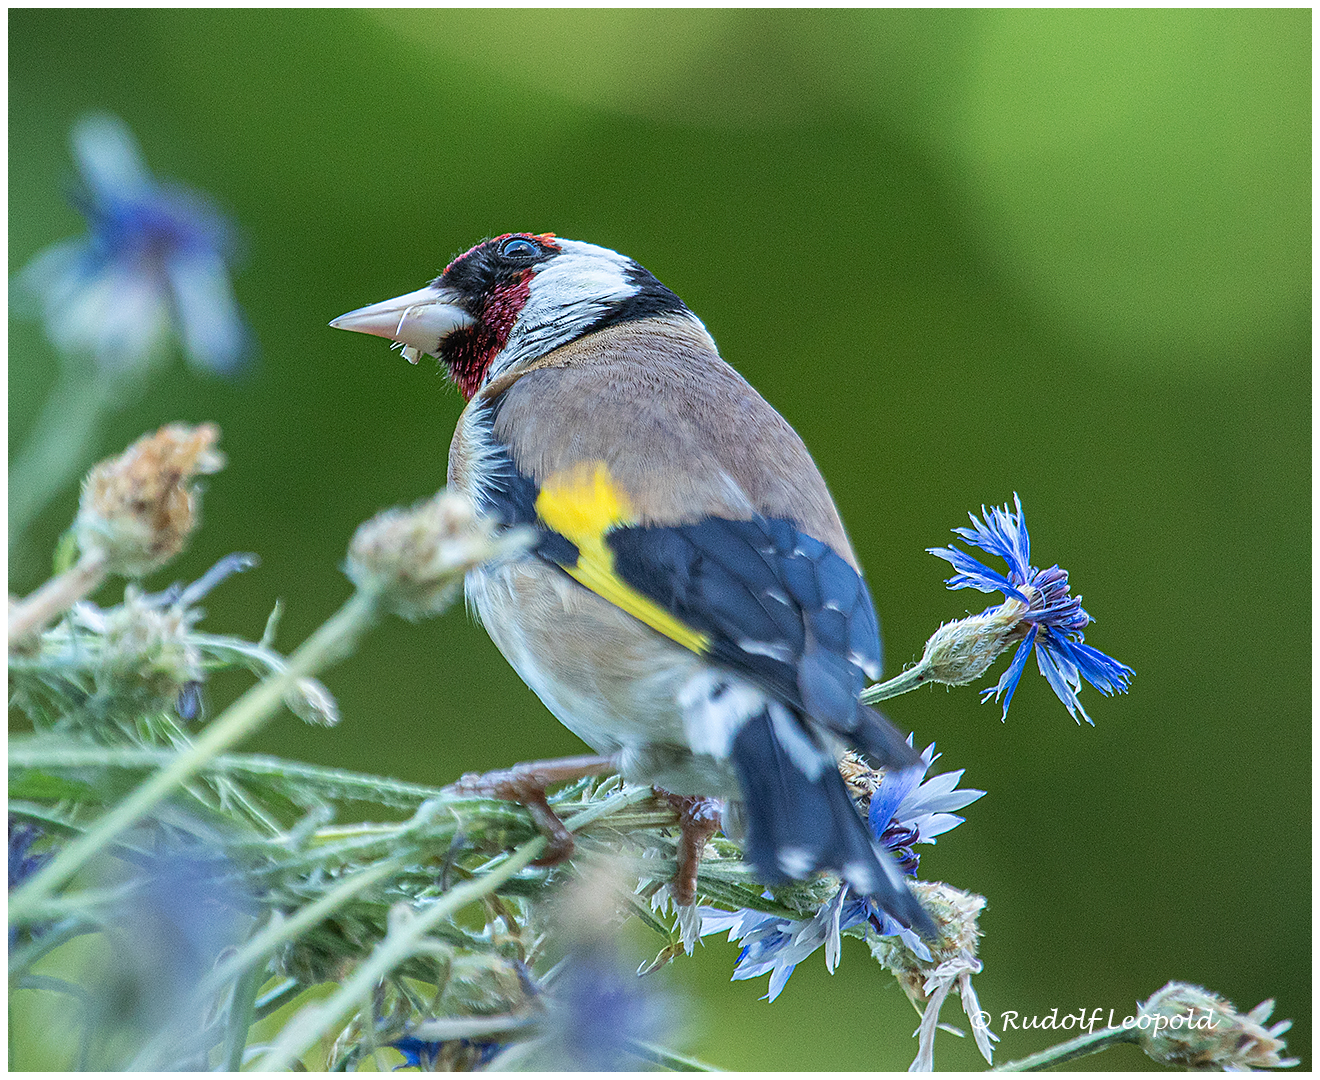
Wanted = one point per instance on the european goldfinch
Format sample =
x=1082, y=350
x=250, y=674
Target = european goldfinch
x=691, y=607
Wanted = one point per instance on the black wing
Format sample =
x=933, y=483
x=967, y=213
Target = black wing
x=779, y=607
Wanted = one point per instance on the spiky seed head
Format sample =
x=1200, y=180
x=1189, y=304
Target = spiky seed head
x=1190, y=1028
x=414, y=559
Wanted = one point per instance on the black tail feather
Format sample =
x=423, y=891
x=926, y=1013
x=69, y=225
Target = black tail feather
x=798, y=823
x=881, y=740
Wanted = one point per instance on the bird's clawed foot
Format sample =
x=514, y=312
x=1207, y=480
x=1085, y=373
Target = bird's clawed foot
x=699, y=820
x=526, y=784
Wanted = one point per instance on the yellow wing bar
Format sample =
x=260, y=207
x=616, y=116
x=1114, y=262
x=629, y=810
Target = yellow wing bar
x=583, y=504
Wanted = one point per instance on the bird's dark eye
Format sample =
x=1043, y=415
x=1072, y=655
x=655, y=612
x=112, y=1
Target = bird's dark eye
x=519, y=247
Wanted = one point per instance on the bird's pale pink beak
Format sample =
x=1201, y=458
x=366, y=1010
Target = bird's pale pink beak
x=418, y=320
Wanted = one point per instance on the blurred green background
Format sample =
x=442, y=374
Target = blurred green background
x=965, y=253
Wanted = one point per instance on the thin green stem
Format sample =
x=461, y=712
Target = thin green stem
x=331, y=641
x=23, y=958
x=619, y=801
x=59, y=447
x=84, y=902
x=401, y=942
x=241, y=1008
x=276, y=998
x=54, y=985
x=446, y=1028
x=41, y=752
x=669, y=1059
x=1071, y=1050
x=899, y=684
x=56, y=596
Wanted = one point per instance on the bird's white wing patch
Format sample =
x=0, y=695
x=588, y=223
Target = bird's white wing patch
x=776, y=650
x=810, y=759
x=715, y=706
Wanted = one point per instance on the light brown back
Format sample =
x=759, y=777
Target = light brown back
x=684, y=434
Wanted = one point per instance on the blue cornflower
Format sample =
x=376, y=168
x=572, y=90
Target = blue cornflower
x=902, y=808
x=155, y=260
x=22, y=863
x=1051, y=619
x=598, y=1010
x=420, y=1054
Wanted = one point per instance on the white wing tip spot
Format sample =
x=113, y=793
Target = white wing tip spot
x=794, y=861
x=860, y=876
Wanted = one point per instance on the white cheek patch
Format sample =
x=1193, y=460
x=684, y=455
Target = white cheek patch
x=572, y=278
x=568, y=294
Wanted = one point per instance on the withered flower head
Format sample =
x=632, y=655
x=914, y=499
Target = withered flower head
x=952, y=963
x=138, y=509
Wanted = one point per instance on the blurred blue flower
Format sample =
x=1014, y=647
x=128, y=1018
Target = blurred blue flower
x=187, y=909
x=598, y=1008
x=417, y=1053
x=592, y=1014
x=155, y=260
x=22, y=863
x=187, y=906
x=903, y=808
x=1053, y=617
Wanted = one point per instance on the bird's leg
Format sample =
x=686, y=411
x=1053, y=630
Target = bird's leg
x=526, y=784
x=698, y=820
